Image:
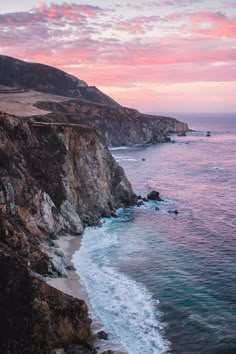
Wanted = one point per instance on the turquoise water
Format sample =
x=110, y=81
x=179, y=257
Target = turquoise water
x=165, y=283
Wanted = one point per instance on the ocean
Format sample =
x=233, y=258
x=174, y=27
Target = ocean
x=166, y=283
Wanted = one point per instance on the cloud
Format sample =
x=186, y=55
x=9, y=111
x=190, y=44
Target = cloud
x=117, y=50
x=42, y=13
x=211, y=24
x=138, y=25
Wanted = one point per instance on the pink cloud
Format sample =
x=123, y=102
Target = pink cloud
x=70, y=11
x=211, y=24
x=138, y=25
x=124, y=57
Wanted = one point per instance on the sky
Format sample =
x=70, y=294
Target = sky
x=156, y=56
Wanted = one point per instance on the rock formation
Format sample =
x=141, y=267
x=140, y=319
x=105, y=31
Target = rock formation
x=119, y=126
x=54, y=179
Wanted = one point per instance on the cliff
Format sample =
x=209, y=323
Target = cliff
x=119, y=126
x=54, y=179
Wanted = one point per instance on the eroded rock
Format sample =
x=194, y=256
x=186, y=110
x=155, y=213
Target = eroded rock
x=154, y=195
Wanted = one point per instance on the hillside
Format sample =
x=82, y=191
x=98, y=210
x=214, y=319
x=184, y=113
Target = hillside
x=33, y=76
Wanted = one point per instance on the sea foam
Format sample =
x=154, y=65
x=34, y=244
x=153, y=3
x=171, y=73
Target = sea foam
x=124, y=306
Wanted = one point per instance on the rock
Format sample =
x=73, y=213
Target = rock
x=70, y=267
x=139, y=197
x=173, y=212
x=156, y=208
x=154, y=195
x=80, y=349
x=102, y=335
x=114, y=215
x=143, y=159
x=167, y=139
x=145, y=199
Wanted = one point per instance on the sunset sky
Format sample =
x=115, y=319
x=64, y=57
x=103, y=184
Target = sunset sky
x=157, y=56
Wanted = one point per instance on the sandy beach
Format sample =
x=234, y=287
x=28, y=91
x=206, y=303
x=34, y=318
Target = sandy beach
x=70, y=285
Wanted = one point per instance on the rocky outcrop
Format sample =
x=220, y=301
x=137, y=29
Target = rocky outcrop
x=34, y=317
x=25, y=75
x=119, y=126
x=54, y=179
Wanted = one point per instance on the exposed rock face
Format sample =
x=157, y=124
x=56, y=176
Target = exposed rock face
x=119, y=126
x=24, y=75
x=34, y=317
x=53, y=180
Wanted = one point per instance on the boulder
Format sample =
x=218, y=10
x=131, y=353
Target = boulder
x=102, y=335
x=173, y=212
x=154, y=195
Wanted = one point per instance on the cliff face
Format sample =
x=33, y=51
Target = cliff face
x=25, y=75
x=57, y=178
x=54, y=179
x=34, y=317
x=118, y=125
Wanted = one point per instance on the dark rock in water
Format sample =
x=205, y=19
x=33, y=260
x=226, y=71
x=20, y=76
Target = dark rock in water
x=113, y=214
x=145, y=199
x=173, y=141
x=102, y=335
x=143, y=159
x=156, y=208
x=173, y=212
x=167, y=139
x=139, y=203
x=139, y=197
x=154, y=195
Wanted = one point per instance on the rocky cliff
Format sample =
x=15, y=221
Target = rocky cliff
x=118, y=125
x=40, y=77
x=54, y=179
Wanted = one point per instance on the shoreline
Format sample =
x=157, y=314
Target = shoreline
x=72, y=285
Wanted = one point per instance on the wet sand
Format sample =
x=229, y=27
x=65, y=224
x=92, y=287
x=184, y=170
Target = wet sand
x=70, y=285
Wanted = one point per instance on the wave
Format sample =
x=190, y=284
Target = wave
x=125, y=307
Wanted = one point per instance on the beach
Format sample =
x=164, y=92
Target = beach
x=70, y=285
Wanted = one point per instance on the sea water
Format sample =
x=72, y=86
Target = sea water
x=161, y=282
